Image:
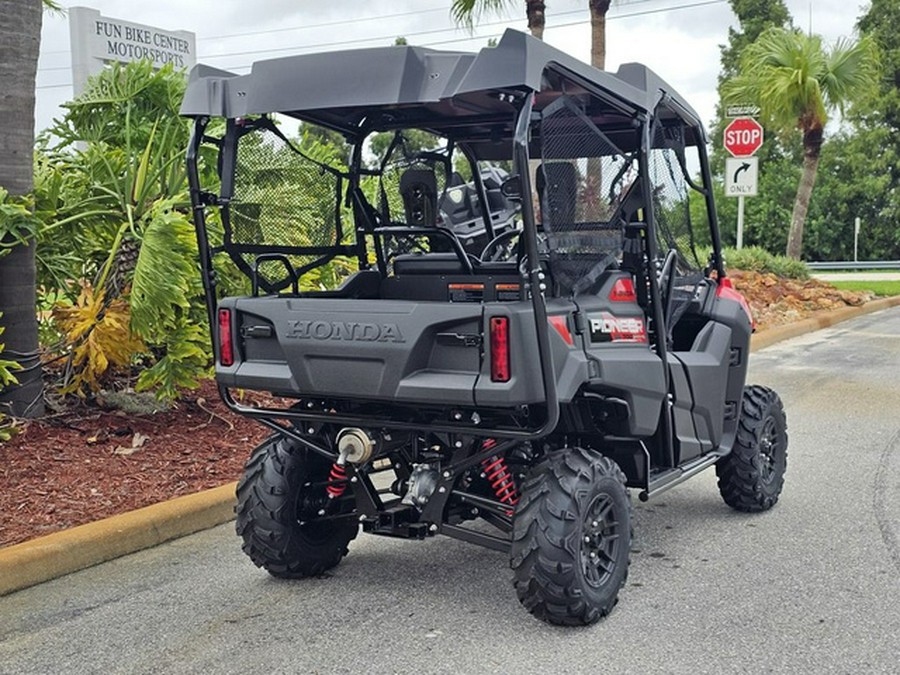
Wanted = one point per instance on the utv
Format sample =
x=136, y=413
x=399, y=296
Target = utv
x=532, y=312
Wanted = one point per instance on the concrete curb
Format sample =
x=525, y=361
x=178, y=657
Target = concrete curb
x=39, y=560
x=780, y=333
x=33, y=562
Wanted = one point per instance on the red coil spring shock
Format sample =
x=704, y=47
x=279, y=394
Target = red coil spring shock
x=337, y=481
x=499, y=476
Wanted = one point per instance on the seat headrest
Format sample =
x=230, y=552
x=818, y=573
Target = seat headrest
x=418, y=187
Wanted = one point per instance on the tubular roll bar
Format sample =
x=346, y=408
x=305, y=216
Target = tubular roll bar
x=199, y=202
x=535, y=281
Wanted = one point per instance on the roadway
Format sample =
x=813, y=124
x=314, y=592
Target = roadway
x=809, y=587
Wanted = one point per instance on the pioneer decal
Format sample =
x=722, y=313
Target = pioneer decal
x=350, y=331
x=606, y=327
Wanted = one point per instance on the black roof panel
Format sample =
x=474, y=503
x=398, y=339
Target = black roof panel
x=340, y=88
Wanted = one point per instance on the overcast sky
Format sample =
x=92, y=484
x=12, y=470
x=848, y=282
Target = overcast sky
x=677, y=38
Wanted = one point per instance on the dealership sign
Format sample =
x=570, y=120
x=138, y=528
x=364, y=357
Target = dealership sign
x=98, y=39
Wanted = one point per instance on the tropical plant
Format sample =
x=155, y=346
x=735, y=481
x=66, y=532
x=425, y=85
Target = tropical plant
x=7, y=426
x=115, y=193
x=113, y=198
x=20, y=38
x=99, y=336
x=468, y=12
x=18, y=224
x=796, y=82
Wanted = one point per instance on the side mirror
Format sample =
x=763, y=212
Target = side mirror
x=511, y=188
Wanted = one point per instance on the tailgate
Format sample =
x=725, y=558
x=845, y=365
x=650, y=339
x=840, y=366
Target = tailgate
x=388, y=350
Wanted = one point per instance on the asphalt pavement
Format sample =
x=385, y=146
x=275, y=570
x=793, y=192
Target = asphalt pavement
x=812, y=586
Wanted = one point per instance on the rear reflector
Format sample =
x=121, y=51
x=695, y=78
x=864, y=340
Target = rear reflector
x=623, y=291
x=499, y=349
x=226, y=347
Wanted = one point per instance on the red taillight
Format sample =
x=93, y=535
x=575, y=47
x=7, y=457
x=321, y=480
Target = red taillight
x=623, y=291
x=499, y=349
x=226, y=348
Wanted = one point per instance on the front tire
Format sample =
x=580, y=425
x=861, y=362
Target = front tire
x=572, y=538
x=751, y=476
x=277, y=513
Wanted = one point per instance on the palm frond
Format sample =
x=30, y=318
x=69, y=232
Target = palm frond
x=851, y=71
x=467, y=13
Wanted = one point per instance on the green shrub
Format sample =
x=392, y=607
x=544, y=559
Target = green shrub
x=756, y=259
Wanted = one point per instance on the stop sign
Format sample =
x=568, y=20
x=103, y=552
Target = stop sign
x=743, y=136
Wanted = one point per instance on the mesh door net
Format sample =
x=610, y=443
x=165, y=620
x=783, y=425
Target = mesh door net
x=285, y=203
x=582, y=182
x=672, y=215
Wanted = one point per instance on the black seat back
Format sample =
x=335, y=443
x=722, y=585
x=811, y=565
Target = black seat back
x=557, y=185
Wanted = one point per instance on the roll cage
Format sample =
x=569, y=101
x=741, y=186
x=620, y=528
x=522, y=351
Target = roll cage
x=519, y=102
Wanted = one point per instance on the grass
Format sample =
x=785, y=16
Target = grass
x=823, y=273
x=880, y=288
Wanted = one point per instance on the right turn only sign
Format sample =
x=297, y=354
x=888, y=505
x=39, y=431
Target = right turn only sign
x=741, y=176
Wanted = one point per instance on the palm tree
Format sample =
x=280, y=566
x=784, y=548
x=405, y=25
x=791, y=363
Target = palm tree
x=598, y=8
x=20, y=37
x=467, y=12
x=796, y=82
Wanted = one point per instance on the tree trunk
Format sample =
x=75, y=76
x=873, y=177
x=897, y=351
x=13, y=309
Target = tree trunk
x=20, y=37
x=534, y=10
x=812, y=147
x=598, y=8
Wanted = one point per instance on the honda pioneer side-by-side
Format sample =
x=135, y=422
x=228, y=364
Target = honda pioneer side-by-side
x=531, y=312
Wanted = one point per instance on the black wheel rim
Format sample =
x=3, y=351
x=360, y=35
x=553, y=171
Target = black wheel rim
x=599, y=540
x=769, y=451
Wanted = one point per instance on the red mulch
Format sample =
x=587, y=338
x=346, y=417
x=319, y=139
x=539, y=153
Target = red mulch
x=65, y=470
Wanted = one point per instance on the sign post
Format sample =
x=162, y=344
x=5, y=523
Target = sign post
x=742, y=138
x=856, y=224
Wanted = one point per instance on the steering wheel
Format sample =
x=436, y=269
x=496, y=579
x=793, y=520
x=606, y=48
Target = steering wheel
x=497, y=243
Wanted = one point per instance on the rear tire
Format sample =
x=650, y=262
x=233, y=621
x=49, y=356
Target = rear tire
x=277, y=515
x=571, y=543
x=752, y=475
